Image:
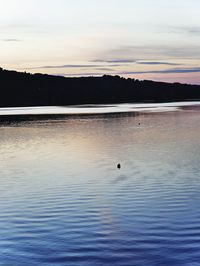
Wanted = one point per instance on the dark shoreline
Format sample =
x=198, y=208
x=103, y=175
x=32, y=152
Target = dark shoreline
x=25, y=89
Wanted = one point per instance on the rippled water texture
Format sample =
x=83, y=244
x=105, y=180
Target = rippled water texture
x=64, y=202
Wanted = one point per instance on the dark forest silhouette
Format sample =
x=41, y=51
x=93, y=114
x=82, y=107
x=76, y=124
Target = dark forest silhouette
x=24, y=89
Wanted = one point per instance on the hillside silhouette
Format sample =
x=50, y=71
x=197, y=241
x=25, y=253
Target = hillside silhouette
x=25, y=89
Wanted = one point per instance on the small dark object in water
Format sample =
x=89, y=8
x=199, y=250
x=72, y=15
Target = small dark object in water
x=139, y=124
x=119, y=166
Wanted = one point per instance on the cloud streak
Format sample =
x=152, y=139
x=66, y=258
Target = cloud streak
x=157, y=63
x=130, y=61
x=152, y=52
x=67, y=66
x=192, y=31
x=82, y=74
x=11, y=40
x=114, y=61
x=103, y=64
x=164, y=71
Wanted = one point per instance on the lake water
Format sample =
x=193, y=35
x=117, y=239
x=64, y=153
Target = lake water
x=64, y=202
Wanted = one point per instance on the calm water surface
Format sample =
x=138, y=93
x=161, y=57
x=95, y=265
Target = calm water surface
x=64, y=202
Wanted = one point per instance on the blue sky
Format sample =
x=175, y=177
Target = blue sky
x=146, y=39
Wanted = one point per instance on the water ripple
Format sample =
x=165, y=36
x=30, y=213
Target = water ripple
x=64, y=202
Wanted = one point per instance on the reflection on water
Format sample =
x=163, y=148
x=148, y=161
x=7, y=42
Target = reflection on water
x=64, y=202
x=97, y=109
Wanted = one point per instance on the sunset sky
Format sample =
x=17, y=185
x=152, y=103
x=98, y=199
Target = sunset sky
x=146, y=39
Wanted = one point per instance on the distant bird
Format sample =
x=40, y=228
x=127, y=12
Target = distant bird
x=119, y=166
x=139, y=124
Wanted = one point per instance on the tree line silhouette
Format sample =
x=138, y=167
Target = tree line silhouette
x=25, y=89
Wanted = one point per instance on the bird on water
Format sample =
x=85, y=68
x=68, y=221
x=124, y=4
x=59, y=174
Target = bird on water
x=119, y=166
